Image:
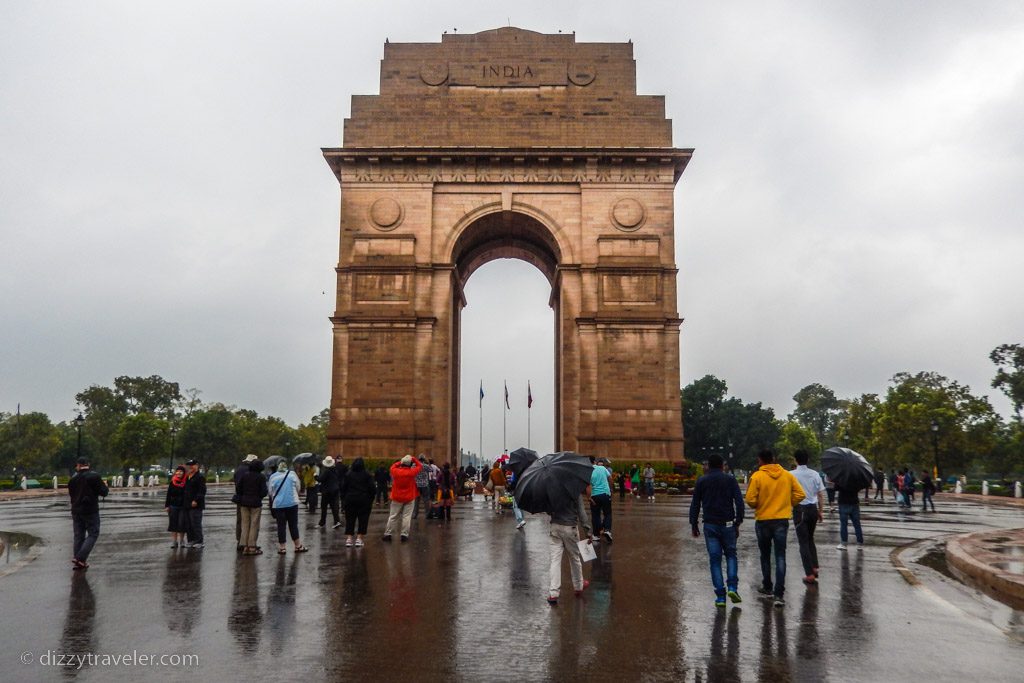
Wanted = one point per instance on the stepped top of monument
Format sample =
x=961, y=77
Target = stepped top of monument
x=508, y=88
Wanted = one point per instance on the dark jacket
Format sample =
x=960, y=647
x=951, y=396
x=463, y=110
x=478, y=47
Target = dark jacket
x=86, y=488
x=848, y=496
x=718, y=494
x=195, y=491
x=175, y=496
x=382, y=477
x=357, y=488
x=251, y=488
x=241, y=471
x=330, y=480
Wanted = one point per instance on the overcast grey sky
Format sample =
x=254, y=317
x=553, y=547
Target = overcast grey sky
x=853, y=208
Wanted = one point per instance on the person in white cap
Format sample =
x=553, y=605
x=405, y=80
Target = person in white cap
x=330, y=476
x=403, y=496
x=240, y=472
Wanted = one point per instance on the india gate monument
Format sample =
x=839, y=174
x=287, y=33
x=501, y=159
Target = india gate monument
x=507, y=144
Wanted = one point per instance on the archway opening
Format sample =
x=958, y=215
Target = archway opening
x=505, y=327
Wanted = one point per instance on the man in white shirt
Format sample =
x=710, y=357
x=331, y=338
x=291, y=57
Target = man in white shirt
x=807, y=514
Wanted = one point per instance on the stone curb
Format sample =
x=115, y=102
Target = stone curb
x=971, y=558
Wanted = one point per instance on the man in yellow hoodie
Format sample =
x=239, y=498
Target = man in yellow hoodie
x=772, y=492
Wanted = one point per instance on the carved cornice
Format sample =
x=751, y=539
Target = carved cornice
x=536, y=165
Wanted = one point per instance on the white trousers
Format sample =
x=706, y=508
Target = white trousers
x=565, y=538
x=403, y=511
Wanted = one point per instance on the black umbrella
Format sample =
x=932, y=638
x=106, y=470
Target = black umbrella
x=270, y=464
x=554, y=482
x=305, y=459
x=519, y=460
x=847, y=469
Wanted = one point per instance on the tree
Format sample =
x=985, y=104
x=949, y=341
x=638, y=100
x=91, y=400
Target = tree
x=1009, y=360
x=28, y=442
x=855, y=429
x=1007, y=456
x=153, y=395
x=701, y=401
x=902, y=431
x=793, y=437
x=746, y=429
x=818, y=409
x=312, y=437
x=140, y=441
x=210, y=435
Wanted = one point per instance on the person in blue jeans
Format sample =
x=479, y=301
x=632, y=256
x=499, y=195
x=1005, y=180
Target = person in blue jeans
x=718, y=495
x=849, y=509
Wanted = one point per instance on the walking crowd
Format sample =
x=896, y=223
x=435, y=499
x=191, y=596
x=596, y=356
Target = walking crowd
x=776, y=496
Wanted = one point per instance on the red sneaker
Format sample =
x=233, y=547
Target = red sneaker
x=580, y=591
x=810, y=580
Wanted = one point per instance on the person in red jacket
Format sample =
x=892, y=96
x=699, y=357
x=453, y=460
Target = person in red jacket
x=403, y=496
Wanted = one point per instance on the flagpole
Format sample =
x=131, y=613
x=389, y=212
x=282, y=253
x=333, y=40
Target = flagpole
x=504, y=414
x=529, y=411
x=480, y=453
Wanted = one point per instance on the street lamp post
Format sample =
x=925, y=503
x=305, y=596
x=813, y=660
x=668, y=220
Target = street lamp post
x=935, y=448
x=170, y=461
x=79, y=421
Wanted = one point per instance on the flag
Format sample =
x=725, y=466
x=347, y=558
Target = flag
x=529, y=396
x=481, y=393
x=506, y=397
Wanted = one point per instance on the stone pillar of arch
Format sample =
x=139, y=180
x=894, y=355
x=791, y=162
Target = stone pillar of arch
x=506, y=144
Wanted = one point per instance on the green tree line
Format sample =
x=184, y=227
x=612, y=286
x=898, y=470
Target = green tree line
x=924, y=421
x=135, y=422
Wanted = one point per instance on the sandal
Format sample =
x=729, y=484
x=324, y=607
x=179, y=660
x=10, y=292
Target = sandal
x=301, y=549
x=282, y=551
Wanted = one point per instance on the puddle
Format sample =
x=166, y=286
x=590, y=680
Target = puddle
x=16, y=547
x=935, y=559
x=1011, y=550
x=1011, y=567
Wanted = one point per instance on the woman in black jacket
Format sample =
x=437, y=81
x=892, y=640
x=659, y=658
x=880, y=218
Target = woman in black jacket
x=357, y=492
x=250, y=490
x=174, y=506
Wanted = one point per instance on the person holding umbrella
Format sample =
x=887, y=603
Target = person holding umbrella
x=772, y=492
x=554, y=484
x=851, y=474
x=849, y=510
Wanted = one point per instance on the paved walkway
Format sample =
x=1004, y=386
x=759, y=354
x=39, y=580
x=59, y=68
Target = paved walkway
x=465, y=602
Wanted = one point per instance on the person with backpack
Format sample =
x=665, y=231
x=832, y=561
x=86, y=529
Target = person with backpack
x=85, y=490
x=284, y=505
x=927, y=491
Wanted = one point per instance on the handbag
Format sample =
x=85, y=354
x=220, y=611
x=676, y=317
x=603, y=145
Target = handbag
x=587, y=552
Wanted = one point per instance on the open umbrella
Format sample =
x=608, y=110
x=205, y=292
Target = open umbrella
x=520, y=459
x=270, y=464
x=847, y=469
x=554, y=482
x=305, y=459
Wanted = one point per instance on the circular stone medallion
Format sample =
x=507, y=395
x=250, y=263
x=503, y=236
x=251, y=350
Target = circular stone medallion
x=434, y=73
x=582, y=74
x=628, y=214
x=385, y=214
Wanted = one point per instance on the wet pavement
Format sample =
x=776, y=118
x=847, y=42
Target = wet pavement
x=464, y=601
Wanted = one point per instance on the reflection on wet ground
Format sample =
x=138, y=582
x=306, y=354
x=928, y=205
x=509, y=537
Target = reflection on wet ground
x=465, y=601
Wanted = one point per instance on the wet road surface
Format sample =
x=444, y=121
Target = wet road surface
x=465, y=601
